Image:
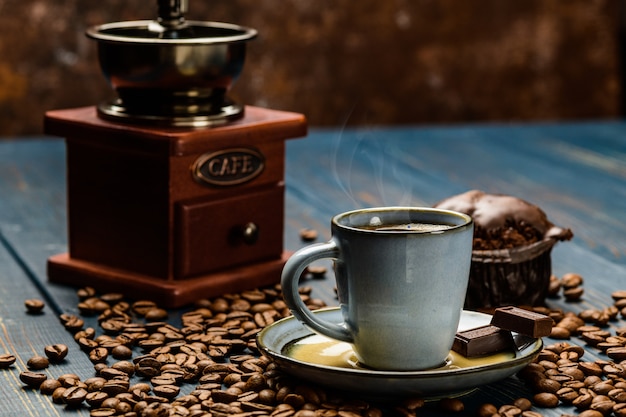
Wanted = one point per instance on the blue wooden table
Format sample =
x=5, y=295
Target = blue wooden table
x=576, y=172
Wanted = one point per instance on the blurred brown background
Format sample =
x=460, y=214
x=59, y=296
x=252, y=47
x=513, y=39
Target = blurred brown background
x=347, y=62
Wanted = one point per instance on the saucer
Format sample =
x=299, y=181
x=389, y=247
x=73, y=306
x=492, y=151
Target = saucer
x=340, y=370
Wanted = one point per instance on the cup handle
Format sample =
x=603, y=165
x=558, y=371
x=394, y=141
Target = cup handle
x=292, y=271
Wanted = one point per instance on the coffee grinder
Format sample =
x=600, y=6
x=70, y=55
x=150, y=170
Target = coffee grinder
x=174, y=191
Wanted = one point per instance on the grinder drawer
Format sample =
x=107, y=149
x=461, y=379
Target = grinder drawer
x=212, y=235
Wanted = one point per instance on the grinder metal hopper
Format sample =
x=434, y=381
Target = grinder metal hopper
x=169, y=70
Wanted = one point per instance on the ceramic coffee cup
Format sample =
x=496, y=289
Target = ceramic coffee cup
x=402, y=274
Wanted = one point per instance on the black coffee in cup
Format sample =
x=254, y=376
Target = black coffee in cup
x=410, y=227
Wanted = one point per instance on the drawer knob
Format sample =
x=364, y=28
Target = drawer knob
x=250, y=233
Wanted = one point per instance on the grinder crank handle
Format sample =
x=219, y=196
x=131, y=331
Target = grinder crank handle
x=293, y=269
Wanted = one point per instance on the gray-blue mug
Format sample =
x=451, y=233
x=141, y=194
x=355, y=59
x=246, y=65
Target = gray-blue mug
x=401, y=273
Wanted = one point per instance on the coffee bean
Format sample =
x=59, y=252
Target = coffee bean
x=523, y=404
x=617, y=353
x=57, y=395
x=567, y=395
x=124, y=407
x=560, y=333
x=547, y=385
x=618, y=395
x=283, y=410
x=142, y=307
x=48, y=386
x=240, y=305
x=95, y=384
x=92, y=306
x=554, y=286
x=487, y=410
x=69, y=379
x=74, y=396
x=620, y=304
x=571, y=373
x=87, y=333
x=103, y=412
x=546, y=399
x=593, y=338
x=34, y=306
x=122, y=352
x=451, y=404
x=265, y=318
x=307, y=413
x=317, y=271
x=126, y=367
x=57, y=352
x=156, y=314
x=37, y=363
x=115, y=387
x=6, y=360
x=618, y=295
x=509, y=410
x=86, y=292
x=602, y=387
x=529, y=413
x=571, y=280
x=166, y=391
x=308, y=235
x=112, y=373
x=112, y=326
x=619, y=410
x=590, y=413
x=573, y=294
x=72, y=323
x=583, y=401
x=98, y=355
x=295, y=400
x=112, y=297
x=602, y=403
x=267, y=396
x=32, y=379
x=87, y=344
x=571, y=323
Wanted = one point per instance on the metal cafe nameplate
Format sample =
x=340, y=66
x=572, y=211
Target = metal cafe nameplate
x=228, y=167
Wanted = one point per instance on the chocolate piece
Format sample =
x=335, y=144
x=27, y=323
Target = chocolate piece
x=522, y=321
x=481, y=341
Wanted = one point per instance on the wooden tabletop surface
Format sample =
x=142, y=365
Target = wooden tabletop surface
x=575, y=171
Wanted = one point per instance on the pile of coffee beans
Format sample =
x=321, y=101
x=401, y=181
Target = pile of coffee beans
x=209, y=364
x=561, y=374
